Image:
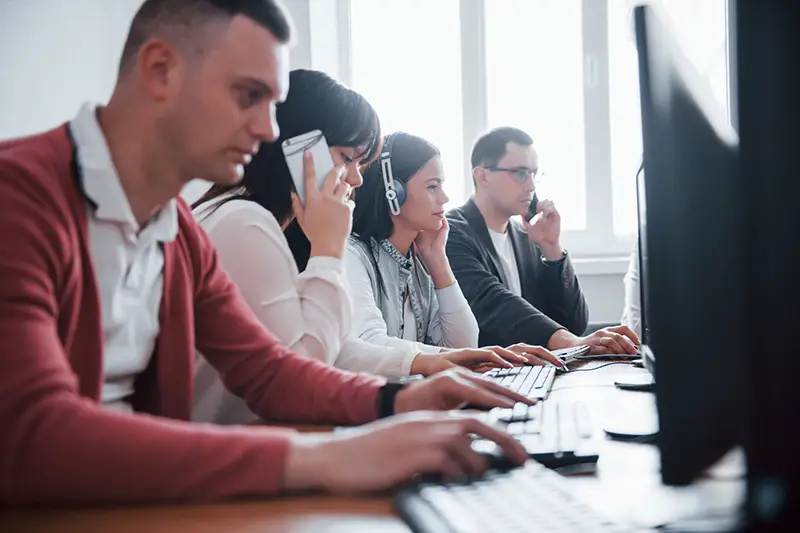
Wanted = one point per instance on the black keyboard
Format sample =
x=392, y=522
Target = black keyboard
x=557, y=434
x=531, y=381
x=530, y=498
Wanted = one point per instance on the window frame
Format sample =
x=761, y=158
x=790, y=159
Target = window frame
x=598, y=245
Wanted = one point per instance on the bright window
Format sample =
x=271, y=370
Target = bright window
x=534, y=81
x=700, y=27
x=409, y=68
x=565, y=71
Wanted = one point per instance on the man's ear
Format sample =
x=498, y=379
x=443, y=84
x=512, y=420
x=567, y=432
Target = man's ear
x=479, y=176
x=156, y=62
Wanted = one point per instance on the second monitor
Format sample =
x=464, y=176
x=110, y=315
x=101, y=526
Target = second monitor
x=695, y=265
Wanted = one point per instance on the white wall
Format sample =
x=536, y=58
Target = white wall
x=604, y=294
x=316, y=45
x=57, y=54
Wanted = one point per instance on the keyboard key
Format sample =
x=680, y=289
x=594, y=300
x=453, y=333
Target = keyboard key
x=533, y=427
x=527, y=385
x=531, y=381
x=525, y=499
x=502, y=414
x=516, y=428
x=519, y=413
x=542, y=379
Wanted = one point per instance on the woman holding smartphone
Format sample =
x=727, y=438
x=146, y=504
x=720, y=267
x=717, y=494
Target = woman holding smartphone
x=401, y=284
x=309, y=312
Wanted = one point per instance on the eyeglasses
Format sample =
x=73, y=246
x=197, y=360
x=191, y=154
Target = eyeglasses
x=520, y=174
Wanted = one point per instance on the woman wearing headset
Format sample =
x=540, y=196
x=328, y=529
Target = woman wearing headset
x=400, y=280
x=309, y=311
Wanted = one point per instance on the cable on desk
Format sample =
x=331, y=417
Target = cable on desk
x=600, y=366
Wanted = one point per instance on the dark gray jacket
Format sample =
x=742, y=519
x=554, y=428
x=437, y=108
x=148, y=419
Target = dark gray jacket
x=551, y=296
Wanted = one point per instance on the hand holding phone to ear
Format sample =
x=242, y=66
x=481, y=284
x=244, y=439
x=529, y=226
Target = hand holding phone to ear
x=327, y=215
x=544, y=228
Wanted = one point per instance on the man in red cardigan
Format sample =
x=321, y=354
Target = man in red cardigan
x=107, y=287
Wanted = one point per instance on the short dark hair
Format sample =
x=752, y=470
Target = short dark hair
x=157, y=17
x=315, y=102
x=490, y=147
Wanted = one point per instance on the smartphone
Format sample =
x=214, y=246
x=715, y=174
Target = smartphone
x=532, y=207
x=293, y=149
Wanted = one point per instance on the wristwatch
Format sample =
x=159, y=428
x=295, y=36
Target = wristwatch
x=386, y=397
x=557, y=261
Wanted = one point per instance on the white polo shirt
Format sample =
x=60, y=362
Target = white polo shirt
x=128, y=263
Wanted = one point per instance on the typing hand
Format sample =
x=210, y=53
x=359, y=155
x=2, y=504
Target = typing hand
x=491, y=357
x=535, y=355
x=617, y=339
x=482, y=359
x=475, y=359
x=527, y=354
x=453, y=389
x=389, y=452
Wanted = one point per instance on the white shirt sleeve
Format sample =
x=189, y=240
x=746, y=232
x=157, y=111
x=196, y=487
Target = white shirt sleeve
x=632, y=313
x=387, y=361
x=454, y=325
x=367, y=323
x=308, y=312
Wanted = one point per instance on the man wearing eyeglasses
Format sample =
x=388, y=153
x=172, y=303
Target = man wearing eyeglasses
x=504, y=248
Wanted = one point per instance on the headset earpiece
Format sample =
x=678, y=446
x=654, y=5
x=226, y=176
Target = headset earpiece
x=395, y=191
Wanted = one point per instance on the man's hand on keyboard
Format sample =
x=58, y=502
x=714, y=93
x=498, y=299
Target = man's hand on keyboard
x=617, y=339
x=453, y=389
x=613, y=340
x=392, y=451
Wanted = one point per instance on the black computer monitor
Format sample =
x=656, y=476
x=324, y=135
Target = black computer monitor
x=694, y=270
x=768, y=76
x=646, y=352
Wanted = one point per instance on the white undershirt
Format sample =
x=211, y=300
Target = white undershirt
x=128, y=263
x=505, y=251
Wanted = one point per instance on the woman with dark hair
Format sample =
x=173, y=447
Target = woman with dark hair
x=309, y=312
x=400, y=280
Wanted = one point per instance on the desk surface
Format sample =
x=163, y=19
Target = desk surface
x=626, y=488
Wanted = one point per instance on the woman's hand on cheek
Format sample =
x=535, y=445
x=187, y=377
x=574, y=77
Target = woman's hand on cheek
x=431, y=244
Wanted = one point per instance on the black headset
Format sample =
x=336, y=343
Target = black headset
x=395, y=190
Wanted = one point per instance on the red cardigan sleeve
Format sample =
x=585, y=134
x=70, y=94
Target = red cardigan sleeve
x=59, y=447
x=277, y=384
